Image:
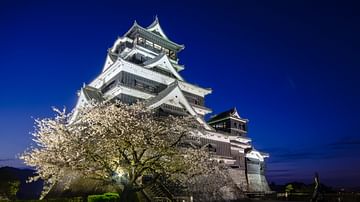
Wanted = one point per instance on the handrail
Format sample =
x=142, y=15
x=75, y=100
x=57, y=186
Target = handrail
x=162, y=199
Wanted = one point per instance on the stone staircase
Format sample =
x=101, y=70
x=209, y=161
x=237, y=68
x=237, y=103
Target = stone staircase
x=157, y=192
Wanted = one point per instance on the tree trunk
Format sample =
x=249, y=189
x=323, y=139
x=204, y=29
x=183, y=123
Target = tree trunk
x=128, y=194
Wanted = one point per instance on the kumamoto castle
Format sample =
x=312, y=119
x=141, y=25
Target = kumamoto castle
x=143, y=65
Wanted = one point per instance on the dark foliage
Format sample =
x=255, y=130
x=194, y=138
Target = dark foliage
x=300, y=187
x=26, y=190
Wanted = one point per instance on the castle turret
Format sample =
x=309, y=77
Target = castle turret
x=230, y=122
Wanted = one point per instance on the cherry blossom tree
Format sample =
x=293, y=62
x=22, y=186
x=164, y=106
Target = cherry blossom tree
x=119, y=144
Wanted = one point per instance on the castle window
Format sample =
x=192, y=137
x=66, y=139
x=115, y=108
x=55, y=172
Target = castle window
x=141, y=83
x=221, y=125
x=172, y=55
x=141, y=40
x=157, y=47
x=210, y=147
x=108, y=86
x=195, y=99
x=149, y=43
x=144, y=86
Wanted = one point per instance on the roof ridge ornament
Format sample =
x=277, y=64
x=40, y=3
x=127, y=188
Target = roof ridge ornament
x=135, y=22
x=154, y=23
x=235, y=113
x=156, y=27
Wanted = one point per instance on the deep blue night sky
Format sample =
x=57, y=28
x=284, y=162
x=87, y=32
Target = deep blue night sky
x=291, y=67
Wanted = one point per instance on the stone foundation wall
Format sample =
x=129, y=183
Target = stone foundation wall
x=239, y=178
x=258, y=183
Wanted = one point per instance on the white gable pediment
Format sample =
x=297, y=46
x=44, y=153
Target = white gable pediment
x=164, y=63
x=236, y=114
x=174, y=96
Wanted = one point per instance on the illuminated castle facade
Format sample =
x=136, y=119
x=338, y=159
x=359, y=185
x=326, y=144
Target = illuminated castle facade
x=143, y=64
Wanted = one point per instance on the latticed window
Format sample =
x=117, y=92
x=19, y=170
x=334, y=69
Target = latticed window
x=148, y=43
x=141, y=83
x=157, y=47
x=166, y=51
x=144, y=86
x=195, y=99
x=128, y=99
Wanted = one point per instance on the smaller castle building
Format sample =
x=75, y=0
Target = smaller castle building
x=248, y=170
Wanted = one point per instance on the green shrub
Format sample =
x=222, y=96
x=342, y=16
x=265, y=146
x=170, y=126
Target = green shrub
x=107, y=197
x=74, y=199
x=112, y=194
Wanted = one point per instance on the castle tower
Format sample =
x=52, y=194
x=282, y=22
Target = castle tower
x=143, y=65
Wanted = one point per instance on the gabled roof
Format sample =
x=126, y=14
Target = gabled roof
x=92, y=93
x=156, y=28
x=155, y=100
x=87, y=94
x=174, y=96
x=255, y=155
x=226, y=115
x=163, y=62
